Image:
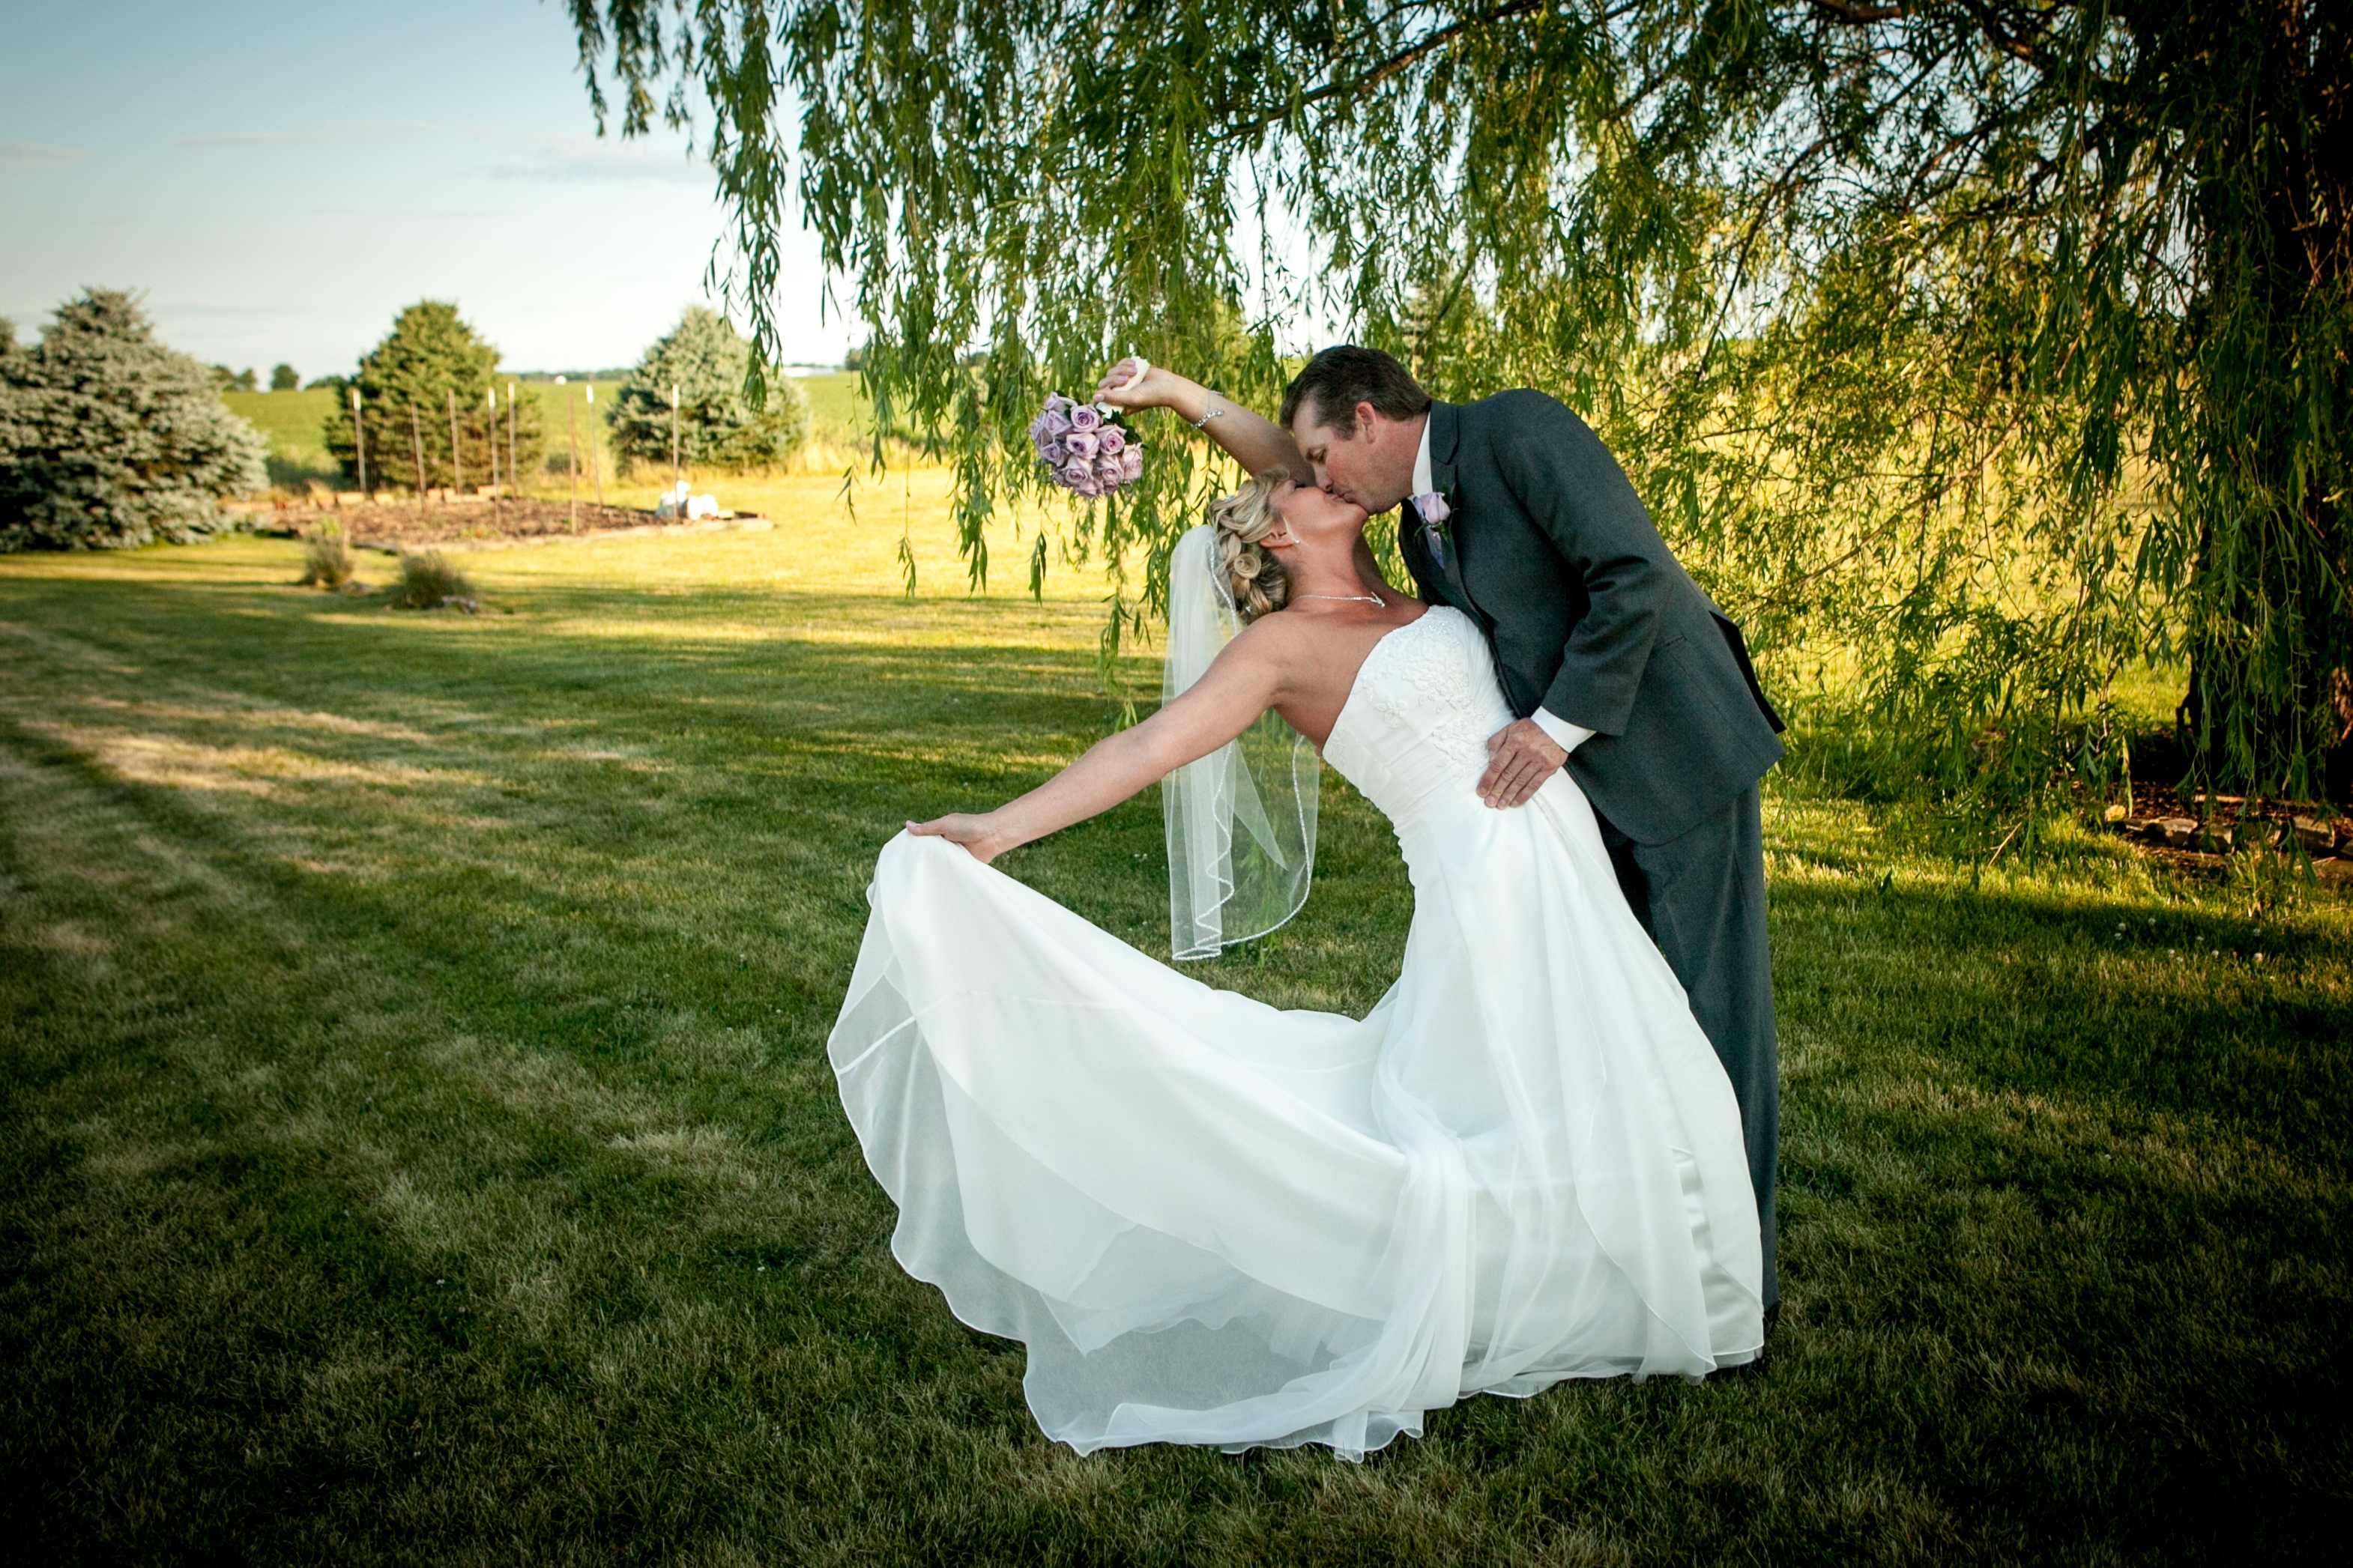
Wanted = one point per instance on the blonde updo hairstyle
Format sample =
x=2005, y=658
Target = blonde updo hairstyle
x=1254, y=571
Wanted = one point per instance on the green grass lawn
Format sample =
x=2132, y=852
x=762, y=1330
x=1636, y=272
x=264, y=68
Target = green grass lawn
x=416, y=1143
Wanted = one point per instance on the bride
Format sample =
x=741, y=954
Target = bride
x=1214, y=1222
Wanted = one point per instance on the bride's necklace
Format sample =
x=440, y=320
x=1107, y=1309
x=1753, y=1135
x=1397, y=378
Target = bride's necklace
x=1348, y=599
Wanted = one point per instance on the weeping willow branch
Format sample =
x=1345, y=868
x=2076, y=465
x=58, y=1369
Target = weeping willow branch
x=2033, y=319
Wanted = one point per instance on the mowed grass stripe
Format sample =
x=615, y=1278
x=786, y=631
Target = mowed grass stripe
x=417, y=1145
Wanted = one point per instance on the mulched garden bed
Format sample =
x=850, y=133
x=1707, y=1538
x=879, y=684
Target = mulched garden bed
x=2195, y=831
x=389, y=525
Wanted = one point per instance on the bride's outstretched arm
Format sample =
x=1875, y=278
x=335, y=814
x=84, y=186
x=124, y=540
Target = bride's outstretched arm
x=1254, y=441
x=1242, y=684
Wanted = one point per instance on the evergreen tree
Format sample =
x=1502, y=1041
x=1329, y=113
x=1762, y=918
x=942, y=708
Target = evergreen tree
x=283, y=379
x=109, y=438
x=404, y=384
x=709, y=363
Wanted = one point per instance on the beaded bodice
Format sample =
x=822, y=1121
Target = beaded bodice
x=1412, y=735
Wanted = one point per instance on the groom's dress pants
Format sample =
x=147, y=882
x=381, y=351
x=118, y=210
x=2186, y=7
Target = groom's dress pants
x=1702, y=899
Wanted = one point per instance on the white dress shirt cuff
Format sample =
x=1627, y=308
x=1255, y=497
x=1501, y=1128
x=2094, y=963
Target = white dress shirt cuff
x=1565, y=735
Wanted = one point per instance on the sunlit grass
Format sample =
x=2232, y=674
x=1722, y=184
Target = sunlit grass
x=416, y=1141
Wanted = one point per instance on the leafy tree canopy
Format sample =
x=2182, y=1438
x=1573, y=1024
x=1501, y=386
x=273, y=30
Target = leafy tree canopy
x=1971, y=348
x=282, y=378
x=109, y=438
x=707, y=362
x=407, y=384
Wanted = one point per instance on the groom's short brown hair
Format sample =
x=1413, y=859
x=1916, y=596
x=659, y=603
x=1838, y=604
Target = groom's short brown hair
x=1338, y=379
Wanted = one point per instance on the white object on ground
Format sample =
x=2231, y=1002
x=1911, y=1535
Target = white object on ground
x=675, y=503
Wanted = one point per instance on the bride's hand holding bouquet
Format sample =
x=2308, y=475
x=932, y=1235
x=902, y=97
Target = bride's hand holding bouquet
x=1252, y=440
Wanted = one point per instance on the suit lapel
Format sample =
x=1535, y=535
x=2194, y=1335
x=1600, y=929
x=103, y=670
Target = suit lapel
x=1445, y=439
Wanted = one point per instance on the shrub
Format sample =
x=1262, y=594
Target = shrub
x=429, y=353
x=107, y=438
x=717, y=426
x=326, y=559
x=427, y=581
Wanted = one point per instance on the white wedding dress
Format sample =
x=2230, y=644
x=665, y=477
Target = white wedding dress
x=1214, y=1222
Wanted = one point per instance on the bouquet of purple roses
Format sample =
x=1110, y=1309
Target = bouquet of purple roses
x=1086, y=447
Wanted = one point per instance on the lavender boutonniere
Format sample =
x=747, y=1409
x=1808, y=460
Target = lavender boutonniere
x=1431, y=505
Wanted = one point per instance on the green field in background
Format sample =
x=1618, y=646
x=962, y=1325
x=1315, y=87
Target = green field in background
x=292, y=422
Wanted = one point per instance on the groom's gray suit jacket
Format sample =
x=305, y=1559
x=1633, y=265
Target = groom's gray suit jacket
x=1590, y=615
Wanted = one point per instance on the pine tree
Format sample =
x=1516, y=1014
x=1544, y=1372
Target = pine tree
x=109, y=438
x=718, y=427
x=430, y=353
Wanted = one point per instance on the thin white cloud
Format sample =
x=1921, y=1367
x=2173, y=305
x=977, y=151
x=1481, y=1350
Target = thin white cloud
x=38, y=155
x=226, y=312
x=334, y=133
x=567, y=158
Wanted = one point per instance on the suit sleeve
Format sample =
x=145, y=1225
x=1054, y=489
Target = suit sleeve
x=1569, y=485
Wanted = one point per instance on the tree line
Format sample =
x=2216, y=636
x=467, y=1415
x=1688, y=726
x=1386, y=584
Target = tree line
x=110, y=438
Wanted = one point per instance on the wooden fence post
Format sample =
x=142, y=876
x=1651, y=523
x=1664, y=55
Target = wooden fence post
x=359, y=436
x=674, y=435
x=456, y=470
x=417, y=438
x=572, y=419
x=498, y=499
x=514, y=474
x=596, y=473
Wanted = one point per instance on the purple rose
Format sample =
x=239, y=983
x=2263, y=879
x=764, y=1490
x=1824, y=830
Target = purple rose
x=1084, y=417
x=1131, y=464
x=1058, y=403
x=1048, y=447
x=1110, y=440
x=1056, y=425
x=1109, y=470
x=1082, y=443
x=1078, y=473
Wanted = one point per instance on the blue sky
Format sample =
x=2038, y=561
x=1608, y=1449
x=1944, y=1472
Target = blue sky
x=279, y=179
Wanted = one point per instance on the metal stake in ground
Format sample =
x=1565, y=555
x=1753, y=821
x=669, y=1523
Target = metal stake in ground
x=456, y=470
x=359, y=436
x=417, y=436
x=596, y=473
x=572, y=418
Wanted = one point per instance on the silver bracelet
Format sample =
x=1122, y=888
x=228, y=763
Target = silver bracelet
x=1204, y=419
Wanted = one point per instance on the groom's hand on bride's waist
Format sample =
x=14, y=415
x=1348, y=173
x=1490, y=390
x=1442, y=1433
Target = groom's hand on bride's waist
x=1519, y=757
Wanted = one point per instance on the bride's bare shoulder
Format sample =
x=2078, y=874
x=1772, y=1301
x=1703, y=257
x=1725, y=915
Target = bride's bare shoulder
x=1296, y=641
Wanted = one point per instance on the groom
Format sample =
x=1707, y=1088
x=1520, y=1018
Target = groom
x=1618, y=668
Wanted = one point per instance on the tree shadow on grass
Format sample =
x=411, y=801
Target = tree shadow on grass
x=2079, y=1207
